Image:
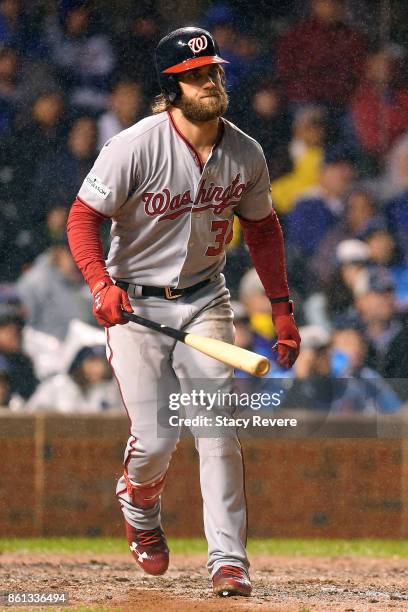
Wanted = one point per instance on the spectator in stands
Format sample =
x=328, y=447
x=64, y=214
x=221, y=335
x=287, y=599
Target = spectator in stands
x=269, y=122
x=36, y=137
x=242, y=49
x=396, y=210
x=20, y=27
x=379, y=108
x=59, y=176
x=349, y=352
x=315, y=356
x=318, y=211
x=352, y=259
x=320, y=60
x=20, y=369
x=385, y=251
x=31, y=242
x=306, y=152
x=136, y=41
x=394, y=180
x=385, y=330
x=54, y=293
x=10, y=22
x=84, y=59
x=252, y=296
x=314, y=387
x=56, y=223
x=5, y=391
x=22, y=236
x=360, y=210
x=368, y=392
x=87, y=387
x=248, y=60
x=126, y=103
x=9, y=90
x=332, y=375
x=45, y=123
x=221, y=20
x=243, y=332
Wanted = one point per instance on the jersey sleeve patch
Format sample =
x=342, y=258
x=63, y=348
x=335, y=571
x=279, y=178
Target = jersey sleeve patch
x=96, y=185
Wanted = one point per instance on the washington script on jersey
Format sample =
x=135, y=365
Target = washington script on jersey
x=214, y=196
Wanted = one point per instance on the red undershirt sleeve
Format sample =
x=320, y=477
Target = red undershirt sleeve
x=83, y=230
x=266, y=247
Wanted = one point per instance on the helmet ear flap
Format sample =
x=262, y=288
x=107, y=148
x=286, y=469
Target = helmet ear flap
x=170, y=86
x=175, y=90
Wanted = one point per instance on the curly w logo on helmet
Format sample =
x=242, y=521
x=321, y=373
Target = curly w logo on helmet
x=198, y=44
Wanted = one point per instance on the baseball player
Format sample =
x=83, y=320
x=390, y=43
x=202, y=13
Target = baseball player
x=171, y=185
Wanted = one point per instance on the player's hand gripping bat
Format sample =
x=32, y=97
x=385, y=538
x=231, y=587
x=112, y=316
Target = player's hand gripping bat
x=232, y=355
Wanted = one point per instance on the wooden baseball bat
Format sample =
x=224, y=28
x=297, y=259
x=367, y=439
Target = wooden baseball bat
x=232, y=355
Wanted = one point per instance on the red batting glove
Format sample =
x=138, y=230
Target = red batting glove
x=109, y=303
x=288, y=344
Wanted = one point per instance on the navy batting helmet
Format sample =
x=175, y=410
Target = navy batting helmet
x=182, y=50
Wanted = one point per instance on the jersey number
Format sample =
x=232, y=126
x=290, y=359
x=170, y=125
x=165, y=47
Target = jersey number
x=223, y=227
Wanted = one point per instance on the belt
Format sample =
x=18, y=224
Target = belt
x=168, y=293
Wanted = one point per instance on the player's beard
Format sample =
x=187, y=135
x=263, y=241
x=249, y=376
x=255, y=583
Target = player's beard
x=206, y=109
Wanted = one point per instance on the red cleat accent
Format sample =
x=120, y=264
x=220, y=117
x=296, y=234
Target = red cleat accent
x=149, y=549
x=231, y=580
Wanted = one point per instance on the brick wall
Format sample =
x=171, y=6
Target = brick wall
x=58, y=477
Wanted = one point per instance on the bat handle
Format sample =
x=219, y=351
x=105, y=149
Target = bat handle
x=176, y=334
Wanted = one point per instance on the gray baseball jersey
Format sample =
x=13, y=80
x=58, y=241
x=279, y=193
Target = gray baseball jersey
x=171, y=217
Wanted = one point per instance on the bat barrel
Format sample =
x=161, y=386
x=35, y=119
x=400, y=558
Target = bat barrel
x=232, y=355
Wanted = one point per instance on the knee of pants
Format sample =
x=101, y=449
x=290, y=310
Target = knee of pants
x=218, y=447
x=150, y=458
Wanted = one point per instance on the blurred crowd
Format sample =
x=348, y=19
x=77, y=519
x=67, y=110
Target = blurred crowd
x=322, y=85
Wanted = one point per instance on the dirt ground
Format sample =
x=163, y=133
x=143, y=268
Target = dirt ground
x=292, y=584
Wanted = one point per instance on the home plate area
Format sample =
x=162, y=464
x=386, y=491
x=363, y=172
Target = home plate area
x=281, y=583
